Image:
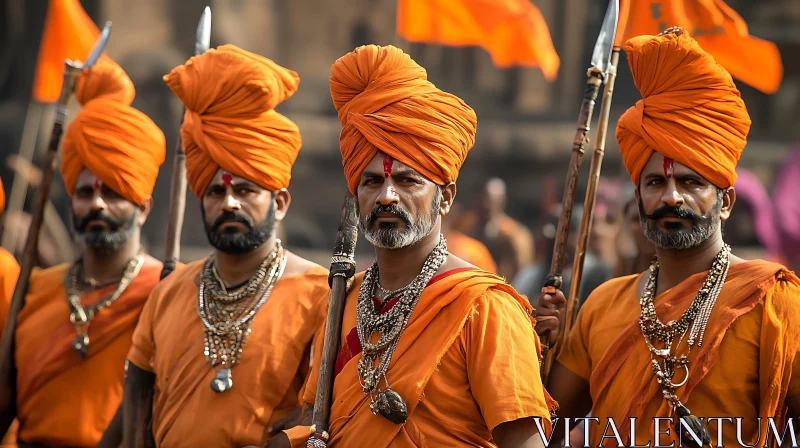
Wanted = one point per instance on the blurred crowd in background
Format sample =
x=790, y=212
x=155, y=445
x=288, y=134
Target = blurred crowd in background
x=510, y=188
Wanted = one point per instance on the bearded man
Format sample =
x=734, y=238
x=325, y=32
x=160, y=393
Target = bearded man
x=450, y=346
x=75, y=329
x=224, y=345
x=714, y=337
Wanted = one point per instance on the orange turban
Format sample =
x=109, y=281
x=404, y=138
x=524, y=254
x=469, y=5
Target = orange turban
x=387, y=104
x=117, y=143
x=691, y=110
x=2, y=198
x=230, y=94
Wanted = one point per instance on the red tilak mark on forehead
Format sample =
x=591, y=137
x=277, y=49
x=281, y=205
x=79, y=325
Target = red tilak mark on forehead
x=669, y=167
x=97, y=184
x=388, y=162
x=227, y=179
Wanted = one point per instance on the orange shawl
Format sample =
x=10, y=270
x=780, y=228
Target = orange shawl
x=386, y=103
x=436, y=323
x=9, y=271
x=747, y=285
x=64, y=400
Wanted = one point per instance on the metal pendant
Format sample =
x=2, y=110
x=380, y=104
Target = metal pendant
x=81, y=345
x=391, y=406
x=696, y=425
x=222, y=381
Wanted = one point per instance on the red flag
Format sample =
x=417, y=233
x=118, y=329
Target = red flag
x=514, y=32
x=69, y=33
x=717, y=28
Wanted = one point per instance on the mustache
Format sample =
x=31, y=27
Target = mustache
x=675, y=211
x=232, y=217
x=99, y=215
x=391, y=208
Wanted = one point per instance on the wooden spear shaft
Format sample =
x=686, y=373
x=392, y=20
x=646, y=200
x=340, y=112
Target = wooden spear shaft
x=588, y=211
x=177, y=206
x=8, y=371
x=343, y=267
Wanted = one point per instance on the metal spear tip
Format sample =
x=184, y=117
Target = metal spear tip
x=601, y=56
x=202, y=38
x=99, y=47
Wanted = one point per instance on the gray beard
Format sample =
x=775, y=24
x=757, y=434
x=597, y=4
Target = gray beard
x=682, y=239
x=413, y=233
x=107, y=242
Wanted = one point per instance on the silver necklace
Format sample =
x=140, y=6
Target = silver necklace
x=389, y=326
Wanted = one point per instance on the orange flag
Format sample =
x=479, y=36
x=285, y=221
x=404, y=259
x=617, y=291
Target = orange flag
x=514, y=32
x=718, y=29
x=69, y=33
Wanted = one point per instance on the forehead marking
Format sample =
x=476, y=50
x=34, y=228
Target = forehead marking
x=669, y=167
x=388, y=162
x=97, y=184
x=227, y=179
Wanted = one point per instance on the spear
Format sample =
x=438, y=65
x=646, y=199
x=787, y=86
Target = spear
x=177, y=191
x=8, y=369
x=343, y=267
x=596, y=75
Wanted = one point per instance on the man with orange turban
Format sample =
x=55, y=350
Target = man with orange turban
x=434, y=351
x=715, y=338
x=75, y=328
x=223, y=347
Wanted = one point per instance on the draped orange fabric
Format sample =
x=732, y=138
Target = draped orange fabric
x=386, y=103
x=69, y=33
x=746, y=366
x=718, y=29
x=117, y=143
x=230, y=95
x=514, y=32
x=267, y=381
x=2, y=198
x=470, y=250
x=467, y=361
x=9, y=272
x=63, y=400
x=691, y=110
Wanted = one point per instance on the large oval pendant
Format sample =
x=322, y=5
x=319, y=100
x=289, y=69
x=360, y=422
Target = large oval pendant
x=223, y=381
x=81, y=345
x=391, y=406
x=695, y=424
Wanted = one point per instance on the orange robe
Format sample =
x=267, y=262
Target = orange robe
x=467, y=362
x=9, y=271
x=746, y=367
x=267, y=381
x=63, y=400
x=470, y=250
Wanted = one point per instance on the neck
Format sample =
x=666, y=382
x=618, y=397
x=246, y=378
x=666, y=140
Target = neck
x=235, y=269
x=107, y=268
x=676, y=266
x=399, y=267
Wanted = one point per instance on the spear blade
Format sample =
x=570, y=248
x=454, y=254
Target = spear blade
x=99, y=47
x=202, y=38
x=601, y=56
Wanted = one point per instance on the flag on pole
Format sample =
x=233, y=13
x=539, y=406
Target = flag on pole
x=69, y=33
x=717, y=28
x=514, y=32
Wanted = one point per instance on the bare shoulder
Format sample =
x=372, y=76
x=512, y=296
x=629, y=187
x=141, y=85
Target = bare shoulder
x=297, y=265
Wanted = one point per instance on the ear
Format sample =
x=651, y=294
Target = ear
x=728, y=199
x=144, y=210
x=282, y=200
x=448, y=196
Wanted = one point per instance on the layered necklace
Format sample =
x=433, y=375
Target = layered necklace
x=228, y=315
x=666, y=361
x=389, y=327
x=81, y=316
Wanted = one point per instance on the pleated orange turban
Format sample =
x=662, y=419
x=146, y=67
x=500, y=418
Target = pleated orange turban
x=691, y=110
x=230, y=95
x=117, y=143
x=386, y=103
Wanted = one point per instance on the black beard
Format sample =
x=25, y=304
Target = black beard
x=235, y=243
x=702, y=228
x=103, y=242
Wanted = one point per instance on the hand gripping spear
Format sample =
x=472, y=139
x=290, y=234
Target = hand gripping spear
x=177, y=191
x=343, y=267
x=8, y=370
x=596, y=74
